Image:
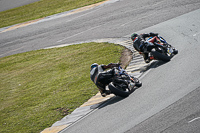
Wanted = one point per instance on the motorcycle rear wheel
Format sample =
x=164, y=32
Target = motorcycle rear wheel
x=160, y=56
x=118, y=91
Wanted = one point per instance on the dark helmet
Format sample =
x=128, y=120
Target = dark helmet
x=94, y=65
x=134, y=35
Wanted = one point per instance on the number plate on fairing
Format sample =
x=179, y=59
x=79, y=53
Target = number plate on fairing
x=170, y=51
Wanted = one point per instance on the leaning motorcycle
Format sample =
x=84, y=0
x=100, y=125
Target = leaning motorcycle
x=122, y=83
x=159, y=49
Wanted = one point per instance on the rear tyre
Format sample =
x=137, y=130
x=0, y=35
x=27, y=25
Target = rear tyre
x=160, y=56
x=118, y=91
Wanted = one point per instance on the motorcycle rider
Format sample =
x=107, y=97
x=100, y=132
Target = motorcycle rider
x=139, y=43
x=101, y=78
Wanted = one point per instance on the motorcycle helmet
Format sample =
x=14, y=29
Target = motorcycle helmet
x=133, y=36
x=94, y=65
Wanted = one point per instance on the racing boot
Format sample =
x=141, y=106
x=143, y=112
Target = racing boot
x=105, y=93
x=147, y=60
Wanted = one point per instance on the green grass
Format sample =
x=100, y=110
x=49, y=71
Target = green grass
x=40, y=9
x=40, y=87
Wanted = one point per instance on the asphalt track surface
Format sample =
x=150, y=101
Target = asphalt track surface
x=169, y=99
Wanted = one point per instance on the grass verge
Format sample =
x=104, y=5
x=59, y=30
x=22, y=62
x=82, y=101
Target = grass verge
x=40, y=9
x=40, y=87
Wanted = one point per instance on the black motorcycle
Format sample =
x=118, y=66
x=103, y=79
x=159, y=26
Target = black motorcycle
x=159, y=49
x=122, y=83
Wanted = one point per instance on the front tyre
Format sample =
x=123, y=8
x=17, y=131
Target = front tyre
x=137, y=82
x=118, y=91
x=175, y=51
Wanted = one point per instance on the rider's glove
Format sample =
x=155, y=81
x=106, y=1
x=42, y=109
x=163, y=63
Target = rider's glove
x=118, y=64
x=111, y=65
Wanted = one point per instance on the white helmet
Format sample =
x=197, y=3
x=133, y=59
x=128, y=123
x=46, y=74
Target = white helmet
x=94, y=65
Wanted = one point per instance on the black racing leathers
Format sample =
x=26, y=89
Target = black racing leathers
x=139, y=43
x=100, y=77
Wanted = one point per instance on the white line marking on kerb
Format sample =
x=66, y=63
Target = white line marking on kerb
x=194, y=119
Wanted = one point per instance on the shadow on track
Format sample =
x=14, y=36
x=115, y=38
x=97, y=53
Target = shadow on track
x=152, y=65
x=113, y=100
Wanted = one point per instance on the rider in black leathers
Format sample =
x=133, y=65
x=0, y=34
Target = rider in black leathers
x=102, y=78
x=139, y=44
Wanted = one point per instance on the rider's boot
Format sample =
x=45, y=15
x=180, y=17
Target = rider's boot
x=147, y=60
x=105, y=93
x=146, y=57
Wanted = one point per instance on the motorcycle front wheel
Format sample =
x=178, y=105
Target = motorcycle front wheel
x=137, y=82
x=118, y=91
